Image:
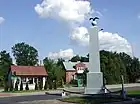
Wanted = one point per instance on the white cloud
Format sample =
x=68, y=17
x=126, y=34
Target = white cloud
x=75, y=13
x=65, y=54
x=108, y=41
x=68, y=10
x=1, y=20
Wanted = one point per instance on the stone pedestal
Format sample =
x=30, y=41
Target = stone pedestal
x=94, y=83
x=94, y=77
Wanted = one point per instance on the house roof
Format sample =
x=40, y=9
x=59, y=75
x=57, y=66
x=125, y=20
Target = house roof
x=69, y=65
x=29, y=70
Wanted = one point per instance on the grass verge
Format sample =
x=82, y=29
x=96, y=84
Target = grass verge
x=25, y=91
x=84, y=100
x=131, y=92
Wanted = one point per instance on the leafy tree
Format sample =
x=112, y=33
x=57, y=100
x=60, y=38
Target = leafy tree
x=25, y=54
x=134, y=72
x=5, y=62
x=75, y=58
x=84, y=59
x=55, y=70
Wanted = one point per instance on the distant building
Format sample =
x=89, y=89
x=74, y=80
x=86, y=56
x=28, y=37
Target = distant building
x=74, y=68
x=27, y=74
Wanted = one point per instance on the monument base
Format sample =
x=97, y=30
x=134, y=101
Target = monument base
x=94, y=83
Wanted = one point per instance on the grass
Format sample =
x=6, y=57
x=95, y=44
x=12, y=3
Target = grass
x=25, y=91
x=133, y=92
x=82, y=100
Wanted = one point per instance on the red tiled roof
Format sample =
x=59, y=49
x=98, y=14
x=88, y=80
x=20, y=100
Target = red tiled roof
x=29, y=70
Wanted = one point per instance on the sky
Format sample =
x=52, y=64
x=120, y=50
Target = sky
x=59, y=28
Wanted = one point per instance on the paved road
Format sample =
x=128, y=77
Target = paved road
x=18, y=99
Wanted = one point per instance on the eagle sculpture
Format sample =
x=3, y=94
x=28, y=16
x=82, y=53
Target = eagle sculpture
x=93, y=23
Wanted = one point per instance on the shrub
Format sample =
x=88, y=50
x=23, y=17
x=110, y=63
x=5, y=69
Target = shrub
x=36, y=86
x=11, y=86
x=16, y=86
x=40, y=85
x=73, y=82
x=27, y=87
x=50, y=85
x=6, y=86
x=46, y=85
x=55, y=85
x=21, y=86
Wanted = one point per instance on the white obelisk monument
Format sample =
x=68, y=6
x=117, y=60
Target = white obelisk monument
x=94, y=76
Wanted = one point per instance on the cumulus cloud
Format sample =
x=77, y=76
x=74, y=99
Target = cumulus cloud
x=108, y=41
x=75, y=13
x=68, y=10
x=65, y=54
x=1, y=20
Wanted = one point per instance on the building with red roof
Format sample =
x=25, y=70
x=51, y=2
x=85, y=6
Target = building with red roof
x=27, y=74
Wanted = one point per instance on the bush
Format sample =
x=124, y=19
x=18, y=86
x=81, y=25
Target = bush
x=6, y=86
x=40, y=85
x=50, y=85
x=36, y=86
x=73, y=82
x=46, y=85
x=27, y=87
x=55, y=85
x=11, y=86
x=21, y=86
x=16, y=86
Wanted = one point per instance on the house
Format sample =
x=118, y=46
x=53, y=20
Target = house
x=27, y=74
x=74, y=68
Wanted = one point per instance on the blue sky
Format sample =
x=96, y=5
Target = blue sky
x=23, y=24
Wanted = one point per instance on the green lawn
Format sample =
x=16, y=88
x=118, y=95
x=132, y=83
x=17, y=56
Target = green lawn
x=25, y=91
x=81, y=100
x=133, y=92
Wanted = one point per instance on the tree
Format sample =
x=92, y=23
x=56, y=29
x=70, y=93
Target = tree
x=75, y=58
x=112, y=67
x=5, y=62
x=134, y=72
x=84, y=59
x=55, y=70
x=25, y=54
